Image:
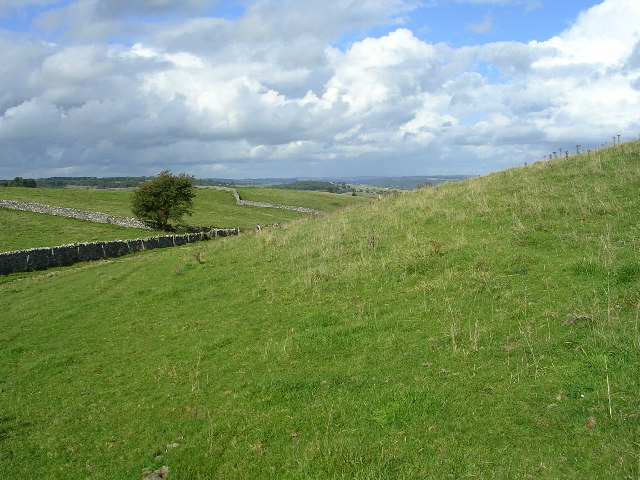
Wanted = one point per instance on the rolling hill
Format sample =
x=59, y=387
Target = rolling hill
x=484, y=329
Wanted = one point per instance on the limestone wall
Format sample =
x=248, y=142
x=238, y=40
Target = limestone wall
x=239, y=201
x=73, y=213
x=42, y=258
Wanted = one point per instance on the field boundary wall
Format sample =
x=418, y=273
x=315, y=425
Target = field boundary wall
x=239, y=201
x=98, y=217
x=63, y=255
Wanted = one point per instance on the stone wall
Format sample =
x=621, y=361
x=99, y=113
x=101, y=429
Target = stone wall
x=42, y=258
x=239, y=201
x=73, y=213
x=284, y=207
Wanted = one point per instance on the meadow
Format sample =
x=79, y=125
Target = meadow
x=322, y=201
x=211, y=208
x=24, y=230
x=488, y=329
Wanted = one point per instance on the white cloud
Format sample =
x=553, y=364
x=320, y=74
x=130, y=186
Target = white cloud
x=533, y=5
x=485, y=26
x=604, y=34
x=268, y=95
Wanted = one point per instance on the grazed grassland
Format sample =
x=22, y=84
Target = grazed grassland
x=322, y=201
x=21, y=230
x=211, y=208
x=488, y=329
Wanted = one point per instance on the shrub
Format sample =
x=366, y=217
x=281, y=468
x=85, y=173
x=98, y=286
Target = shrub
x=166, y=197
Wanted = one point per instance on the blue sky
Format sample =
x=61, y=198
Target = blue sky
x=455, y=23
x=462, y=23
x=311, y=88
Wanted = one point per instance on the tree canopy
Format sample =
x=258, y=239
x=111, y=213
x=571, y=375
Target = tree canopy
x=166, y=197
x=19, y=182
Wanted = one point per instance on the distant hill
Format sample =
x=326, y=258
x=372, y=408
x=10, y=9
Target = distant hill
x=91, y=182
x=286, y=183
x=406, y=183
x=312, y=185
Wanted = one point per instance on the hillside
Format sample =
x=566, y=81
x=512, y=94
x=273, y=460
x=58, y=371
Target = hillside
x=486, y=329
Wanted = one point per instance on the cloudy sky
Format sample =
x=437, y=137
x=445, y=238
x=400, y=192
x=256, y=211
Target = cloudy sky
x=266, y=88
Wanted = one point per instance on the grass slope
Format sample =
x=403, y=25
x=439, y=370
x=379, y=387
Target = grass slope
x=487, y=329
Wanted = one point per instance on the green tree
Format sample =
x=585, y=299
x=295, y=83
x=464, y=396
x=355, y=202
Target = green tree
x=166, y=197
x=16, y=182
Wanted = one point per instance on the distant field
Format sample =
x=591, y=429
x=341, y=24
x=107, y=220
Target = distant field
x=323, y=201
x=112, y=202
x=218, y=208
x=22, y=230
x=211, y=207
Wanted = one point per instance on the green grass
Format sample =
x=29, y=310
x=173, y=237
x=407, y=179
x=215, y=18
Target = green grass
x=421, y=336
x=219, y=207
x=106, y=201
x=322, y=201
x=23, y=230
x=211, y=207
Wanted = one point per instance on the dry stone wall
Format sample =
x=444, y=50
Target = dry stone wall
x=239, y=201
x=73, y=213
x=283, y=207
x=42, y=258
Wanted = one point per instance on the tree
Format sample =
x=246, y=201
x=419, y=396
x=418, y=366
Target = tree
x=16, y=182
x=166, y=197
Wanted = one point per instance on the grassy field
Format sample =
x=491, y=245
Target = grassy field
x=220, y=208
x=322, y=201
x=487, y=329
x=21, y=230
x=211, y=208
x=106, y=201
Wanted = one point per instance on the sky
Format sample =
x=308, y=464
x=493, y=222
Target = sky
x=311, y=88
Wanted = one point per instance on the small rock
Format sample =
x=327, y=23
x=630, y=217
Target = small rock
x=591, y=422
x=571, y=319
x=159, y=474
